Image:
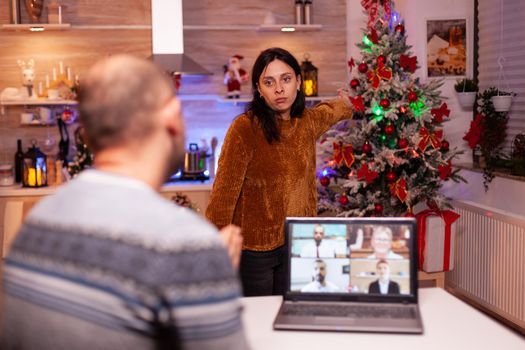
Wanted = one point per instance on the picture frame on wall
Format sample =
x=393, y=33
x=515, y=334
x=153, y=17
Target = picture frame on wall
x=446, y=48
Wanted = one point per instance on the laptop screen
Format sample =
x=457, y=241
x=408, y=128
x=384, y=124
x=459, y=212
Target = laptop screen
x=352, y=256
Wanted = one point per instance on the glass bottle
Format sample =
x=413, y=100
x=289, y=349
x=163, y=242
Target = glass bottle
x=19, y=159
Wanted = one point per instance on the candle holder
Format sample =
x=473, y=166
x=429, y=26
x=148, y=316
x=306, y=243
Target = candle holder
x=309, y=74
x=34, y=168
x=55, y=13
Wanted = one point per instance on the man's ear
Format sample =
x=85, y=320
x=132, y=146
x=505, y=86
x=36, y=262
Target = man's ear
x=171, y=117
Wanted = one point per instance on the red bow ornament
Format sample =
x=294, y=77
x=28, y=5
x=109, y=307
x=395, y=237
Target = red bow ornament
x=380, y=73
x=371, y=7
x=351, y=64
x=399, y=189
x=429, y=138
x=408, y=63
x=345, y=153
x=445, y=170
x=440, y=112
x=373, y=37
x=358, y=103
x=366, y=174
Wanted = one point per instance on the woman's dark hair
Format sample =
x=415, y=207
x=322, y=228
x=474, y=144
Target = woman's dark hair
x=260, y=110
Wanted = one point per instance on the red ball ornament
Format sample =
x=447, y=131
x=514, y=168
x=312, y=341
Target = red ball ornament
x=445, y=145
x=354, y=83
x=325, y=181
x=400, y=29
x=378, y=207
x=385, y=103
x=367, y=148
x=363, y=67
x=389, y=129
x=391, y=176
x=343, y=200
x=412, y=96
x=402, y=143
x=381, y=59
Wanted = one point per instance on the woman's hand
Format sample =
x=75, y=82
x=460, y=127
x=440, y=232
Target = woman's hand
x=232, y=239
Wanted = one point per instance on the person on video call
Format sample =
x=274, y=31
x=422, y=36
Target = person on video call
x=319, y=248
x=320, y=284
x=383, y=285
x=382, y=244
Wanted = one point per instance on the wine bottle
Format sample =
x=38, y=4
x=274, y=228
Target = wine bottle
x=19, y=161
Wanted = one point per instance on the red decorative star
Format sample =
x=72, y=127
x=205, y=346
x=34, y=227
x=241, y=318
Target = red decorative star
x=440, y=112
x=365, y=173
x=445, y=170
x=378, y=74
x=408, y=63
x=358, y=103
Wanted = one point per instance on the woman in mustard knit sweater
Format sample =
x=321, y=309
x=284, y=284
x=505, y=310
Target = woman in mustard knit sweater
x=266, y=170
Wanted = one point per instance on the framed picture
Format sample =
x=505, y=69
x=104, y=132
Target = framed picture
x=446, y=49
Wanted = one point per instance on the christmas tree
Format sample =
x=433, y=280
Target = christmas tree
x=393, y=155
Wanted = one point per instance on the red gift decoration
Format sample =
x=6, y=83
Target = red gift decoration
x=345, y=153
x=436, y=233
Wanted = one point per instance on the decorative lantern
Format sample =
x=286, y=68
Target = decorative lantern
x=34, y=168
x=309, y=75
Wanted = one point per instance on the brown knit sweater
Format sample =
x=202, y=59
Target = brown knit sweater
x=259, y=184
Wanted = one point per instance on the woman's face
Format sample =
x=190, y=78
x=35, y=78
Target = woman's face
x=278, y=86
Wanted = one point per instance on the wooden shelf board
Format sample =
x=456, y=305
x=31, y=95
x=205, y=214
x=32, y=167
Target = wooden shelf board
x=38, y=102
x=298, y=27
x=28, y=26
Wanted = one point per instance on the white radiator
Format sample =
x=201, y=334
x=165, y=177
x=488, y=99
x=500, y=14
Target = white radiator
x=490, y=261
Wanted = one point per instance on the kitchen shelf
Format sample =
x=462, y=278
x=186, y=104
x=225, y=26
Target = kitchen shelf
x=36, y=26
x=38, y=102
x=297, y=27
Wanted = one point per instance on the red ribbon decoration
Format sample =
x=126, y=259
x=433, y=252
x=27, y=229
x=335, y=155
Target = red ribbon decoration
x=381, y=72
x=351, y=64
x=428, y=138
x=449, y=217
x=346, y=154
x=399, y=189
x=474, y=133
x=408, y=63
x=371, y=7
x=445, y=170
x=365, y=173
x=358, y=103
x=440, y=112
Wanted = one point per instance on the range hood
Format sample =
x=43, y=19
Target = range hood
x=168, y=40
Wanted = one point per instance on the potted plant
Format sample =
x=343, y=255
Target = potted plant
x=466, y=90
x=502, y=101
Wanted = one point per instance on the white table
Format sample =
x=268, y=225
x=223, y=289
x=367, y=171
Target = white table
x=448, y=322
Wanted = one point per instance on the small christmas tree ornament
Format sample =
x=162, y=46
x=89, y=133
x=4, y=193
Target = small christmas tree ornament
x=343, y=200
x=402, y=143
x=391, y=176
x=325, y=181
x=385, y=103
x=445, y=145
x=400, y=29
x=363, y=67
x=389, y=129
x=367, y=148
x=381, y=59
x=412, y=96
x=354, y=83
x=378, y=208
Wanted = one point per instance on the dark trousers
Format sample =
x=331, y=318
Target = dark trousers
x=263, y=273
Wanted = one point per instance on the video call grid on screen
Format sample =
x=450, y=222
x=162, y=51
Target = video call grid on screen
x=350, y=258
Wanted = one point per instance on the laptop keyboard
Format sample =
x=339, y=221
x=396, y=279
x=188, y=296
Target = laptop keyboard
x=351, y=311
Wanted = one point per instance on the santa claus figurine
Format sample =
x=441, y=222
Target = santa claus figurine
x=234, y=76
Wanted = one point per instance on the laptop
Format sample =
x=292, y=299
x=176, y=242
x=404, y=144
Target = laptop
x=351, y=274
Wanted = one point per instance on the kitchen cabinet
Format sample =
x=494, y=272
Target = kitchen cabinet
x=16, y=202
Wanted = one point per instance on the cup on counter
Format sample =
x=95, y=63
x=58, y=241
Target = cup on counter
x=6, y=175
x=45, y=115
x=52, y=94
x=26, y=118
